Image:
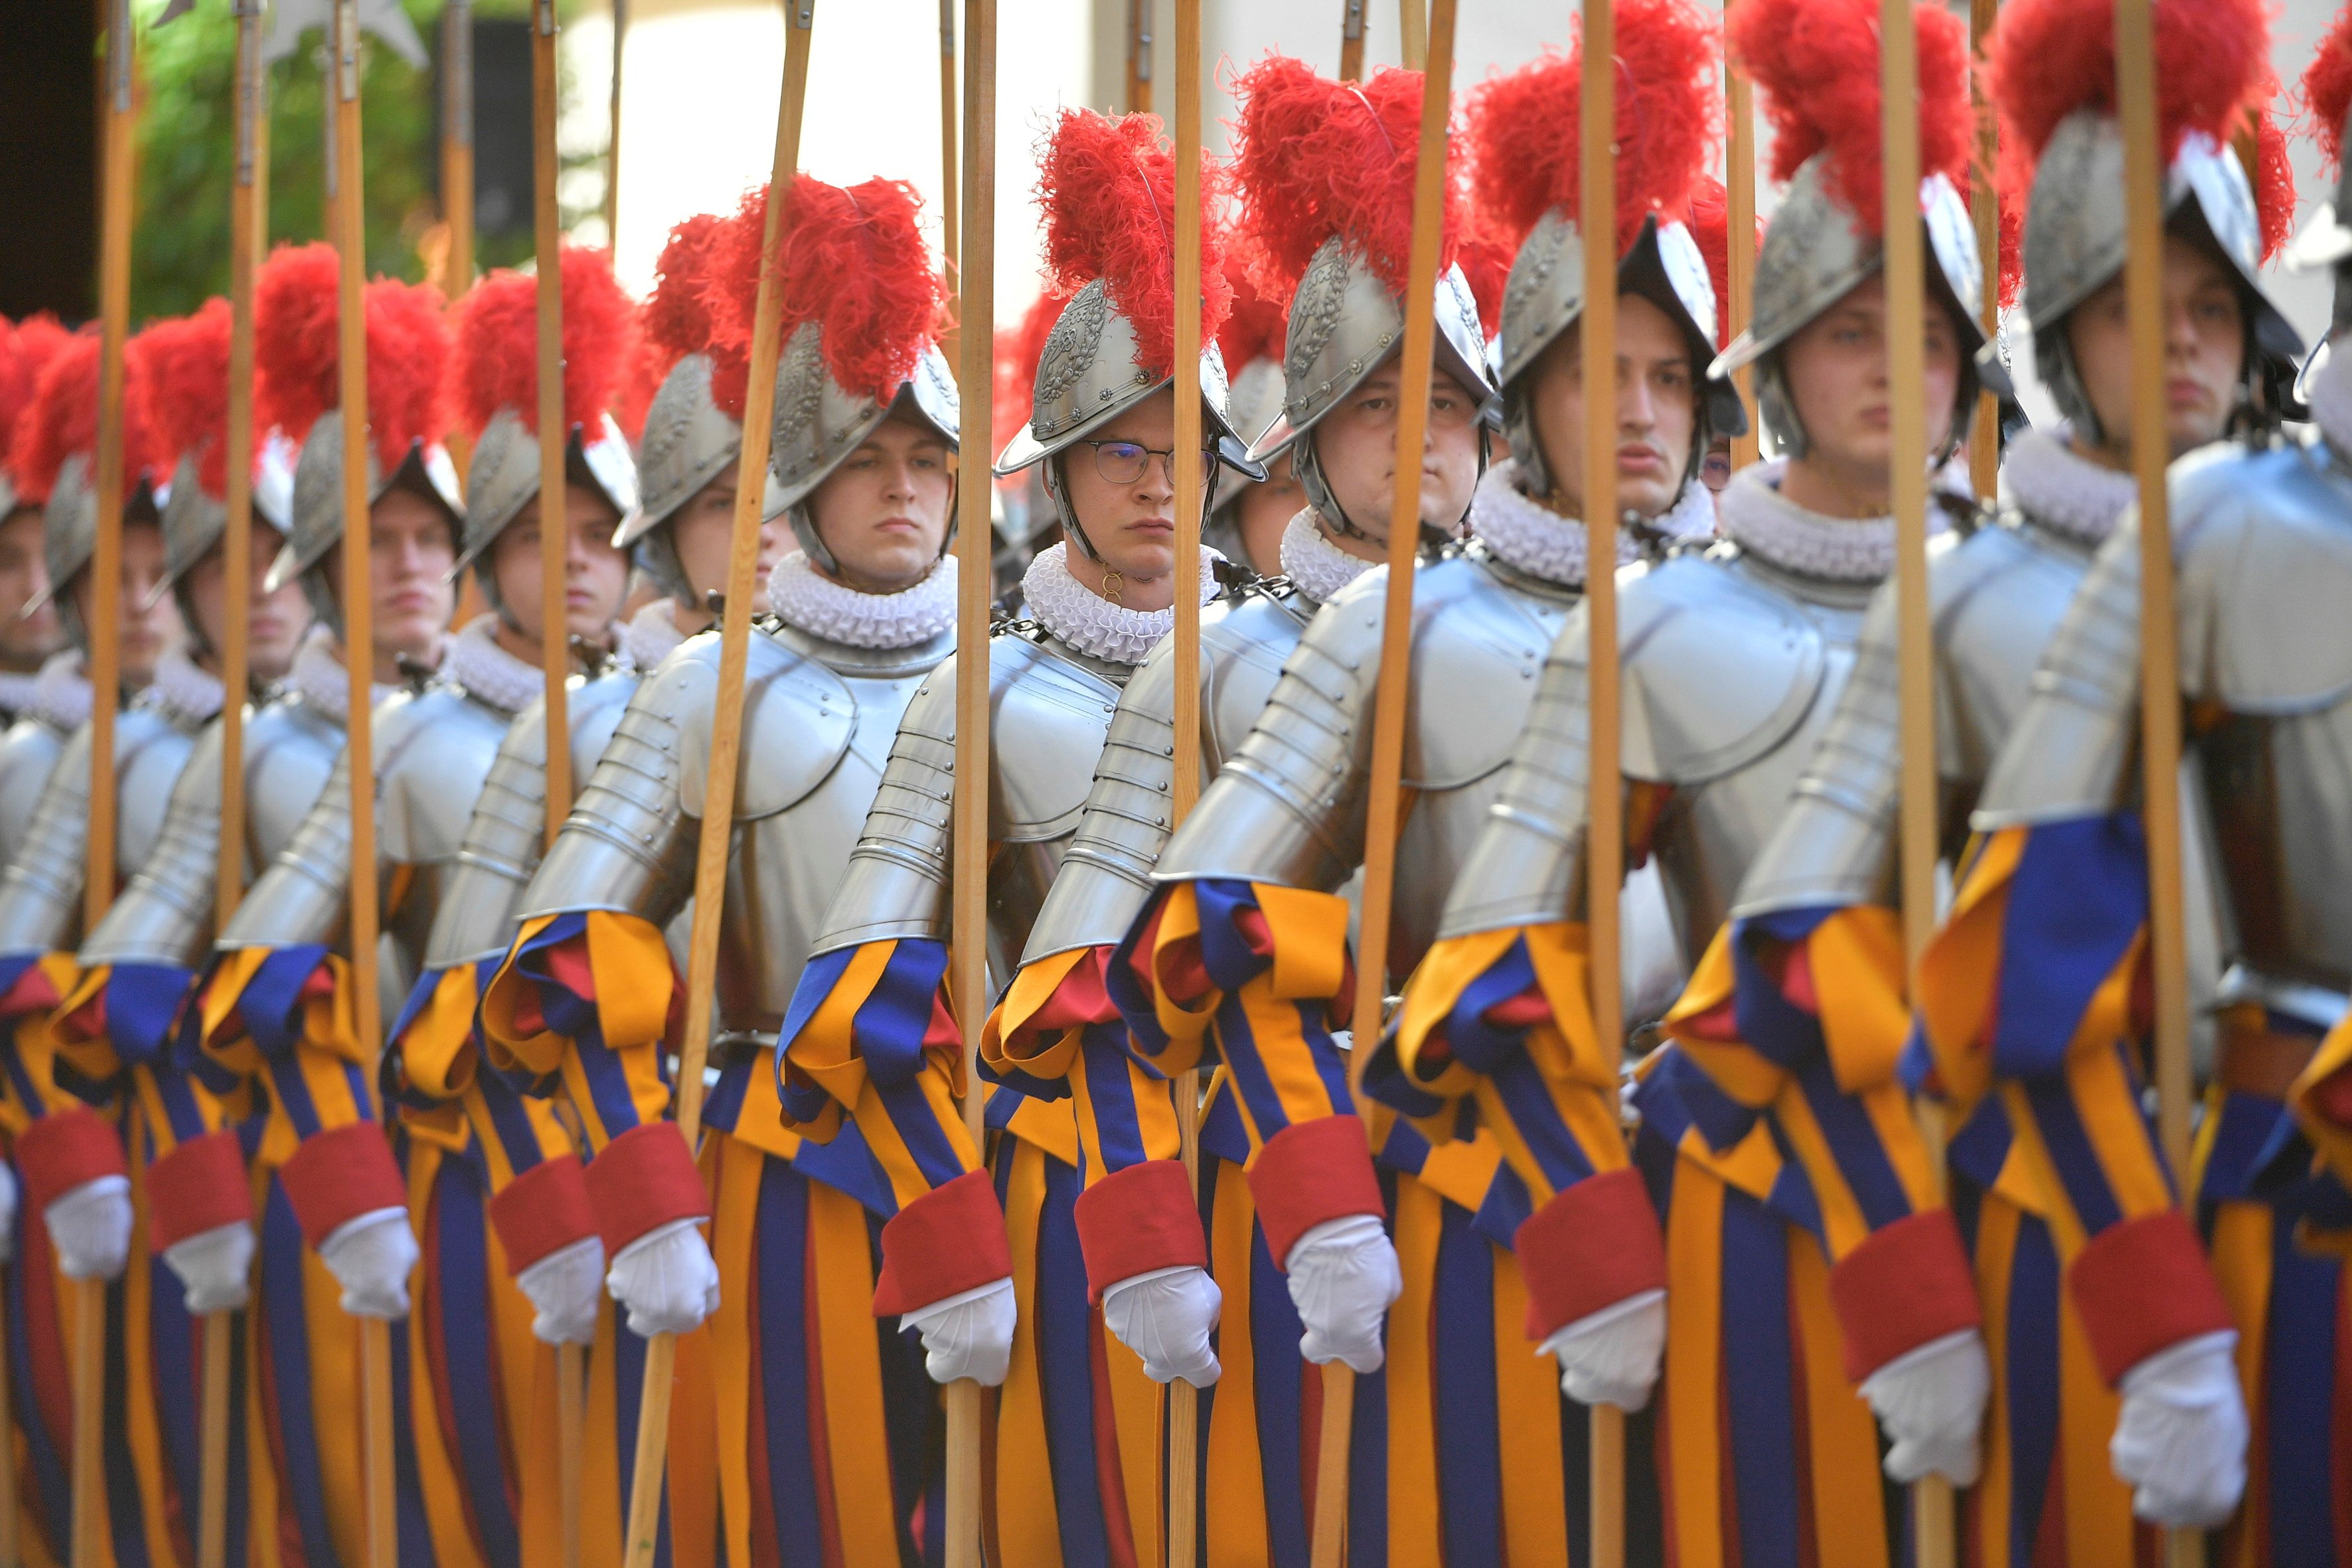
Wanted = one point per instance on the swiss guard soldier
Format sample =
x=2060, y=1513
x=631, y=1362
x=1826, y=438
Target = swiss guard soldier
x=29, y=637
x=1253, y=514
x=589, y=1000
x=863, y=1043
x=1733, y=659
x=1824, y=885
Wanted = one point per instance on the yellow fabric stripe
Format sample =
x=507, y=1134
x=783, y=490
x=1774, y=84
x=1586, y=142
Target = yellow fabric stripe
x=761, y=1123
x=1849, y=1506
x=850, y=1364
x=436, y=1053
x=260, y=1466
x=1186, y=1028
x=2099, y=1522
x=2026, y=1147
x=1048, y=1124
x=2109, y=1108
x=1959, y=971
x=1283, y=1054
x=634, y=978
x=1535, y=1500
x=445, y=1515
x=1741, y=1073
x=735, y=1209
x=1028, y=1525
x=1430, y=996
x=906, y=1179
x=1856, y=957
x=539, y=1053
x=1310, y=941
x=1463, y=1172
x=334, y=1363
x=1137, y=1406
x=1414, y=1534
x=1235, y=1474
x=1995, y=1496
x=582, y=1100
x=143, y=1436
x=2242, y=1260
x=1695, y=1364
x=1032, y=987
x=2333, y=1142
x=324, y=1075
x=1842, y=1217
x=693, y=1458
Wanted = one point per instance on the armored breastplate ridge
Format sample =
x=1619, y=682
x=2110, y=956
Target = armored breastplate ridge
x=1314, y=565
x=185, y=690
x=651, y=635
x=2063, y=490
x=1766, y=524
x=1525, y=533
x=319, y=677
x=61, y=691
x=804, y=598
x=1091, y=623
x=484, y=670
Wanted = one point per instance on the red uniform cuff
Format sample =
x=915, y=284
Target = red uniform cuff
x=949, y=1240
x=544, y=1210
x=1308, y=1172
x=340, y=1174
x=2142, y=1285
x=643, y=1179
x=1905, y=1286
x=63, y=1149
x=1594, y=1245
x=198, y=1186
x=1137, y=1220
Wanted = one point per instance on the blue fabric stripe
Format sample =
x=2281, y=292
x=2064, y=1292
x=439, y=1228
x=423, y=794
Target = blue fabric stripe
x=847, y=1165
x=629, y=1384
x=271, y=1003
x=461, y=1263
x=781, y=1313
x=123, y=1508
x=1273, y=1329
x=172, y=1366
x=1110, y=1086
x=1469, y=1458
x=919, y=1127
x=2076, y=902
x=607, y=1078
x=888, y=1030
x=510, y=1123
x=2072, y=1154
x=176, y=1093
x=142, y=1001
x=1855, y=1145
x=293, y=1094
x=1537, y=1117
x=1769, y=1024
x=1368, y=1446
x=1245, y=1069
x=1066, y=1367
x=1760, y=1382
x=301, y=1487
x=805, y=1101
x=2031, y=1354
x=45, y=1463
x=2299, y=1355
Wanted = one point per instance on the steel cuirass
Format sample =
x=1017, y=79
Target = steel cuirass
x=1288, y=807
x=2264, y=540
x=818, y=722
x=1729, y=672
x=29, y=755
x=40, y=897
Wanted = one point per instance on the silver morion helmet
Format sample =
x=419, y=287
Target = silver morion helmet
x=316, y=521
x=819, y=423
x=688, y=441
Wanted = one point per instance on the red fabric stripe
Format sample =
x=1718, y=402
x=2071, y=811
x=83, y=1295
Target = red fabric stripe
x=63, y=1149
x=645, y=1179
x=2142, y=1285
x=542, y=1211
x=1137, y=1220
x=1308, y=1172
x=1591, y=1247
x=196, y=1187
x=340, y=1174
x=949, y=1240
x=1118, y=1532
x=1906, y=1285
x=828, y=1507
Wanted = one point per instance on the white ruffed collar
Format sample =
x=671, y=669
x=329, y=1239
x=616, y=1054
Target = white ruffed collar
x=651, y=635
x=16, y=691
x=324, y=682
x=1092, y=624
x=2331, y=399
x=482, y=670
x=1525, y=533
x=1769, y=526
x=806, y=599
x=185, y=689
x=1691, y=517
x=1314, y=565
x=2060, y=489
x=61, y=691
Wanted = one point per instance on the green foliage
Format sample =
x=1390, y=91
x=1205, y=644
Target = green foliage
x=187, y=154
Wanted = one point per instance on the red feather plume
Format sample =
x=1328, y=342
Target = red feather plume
x=677, y=319
x=187, y=376
x=852, y=260
x=25, y=350
x=1316, y=157
x=63, y=418
x=296, y=351
x=1485, y=262
x=2046, y=58
x=1108, y=190
x=1817, y=62
x=2272, y=177
x=498, y=343
x=1526, y=130
x=2327, y=87
x=1258, y=327
x=1710, y=225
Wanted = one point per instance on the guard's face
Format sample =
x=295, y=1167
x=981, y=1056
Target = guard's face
x=147, y=631
x=703, y=531
x=596, y=574
x=25, y=640
x=1836, y=369
x=274, y=623
x=1356, y=444
x=2204, y=345
x=884, y=511
x=1266, y=507
x=1657, y=408
x=411, y=549
x=1123, y=488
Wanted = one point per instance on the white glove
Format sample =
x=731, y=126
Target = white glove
x=1165, y=1315
x=89, y=1225
x=213, y=1266
x=2181, y=1442
x=566, y=1287
x=667, y=1279
x=8, y=1214
x=1343, y=1275
x=371, y=1257
x=968, y=1334
x=1931, y=1400
x=1611, y=1356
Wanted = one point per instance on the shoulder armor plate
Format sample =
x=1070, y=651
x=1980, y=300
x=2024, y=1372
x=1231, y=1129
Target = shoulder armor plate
x=1716, y=671
x=1051, y=716
x=289, y=749
x=1477, y=652
x=27, y=752
x=162, y=915
x=896, y=881
x=2264, y=540
x=433, y=750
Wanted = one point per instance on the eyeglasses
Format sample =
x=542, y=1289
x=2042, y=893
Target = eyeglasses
x=1124, y=462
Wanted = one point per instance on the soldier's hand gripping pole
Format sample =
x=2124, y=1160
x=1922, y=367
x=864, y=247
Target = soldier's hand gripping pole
x=105, y=664
x=1183, y=1399
x=726, y=750
x=1605, y=833
x=249, y=226
x=1382, y=808
x=1906, y=306
x=2159, y=667
x=555, y=643
x=349, y=235
x=967, y=942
